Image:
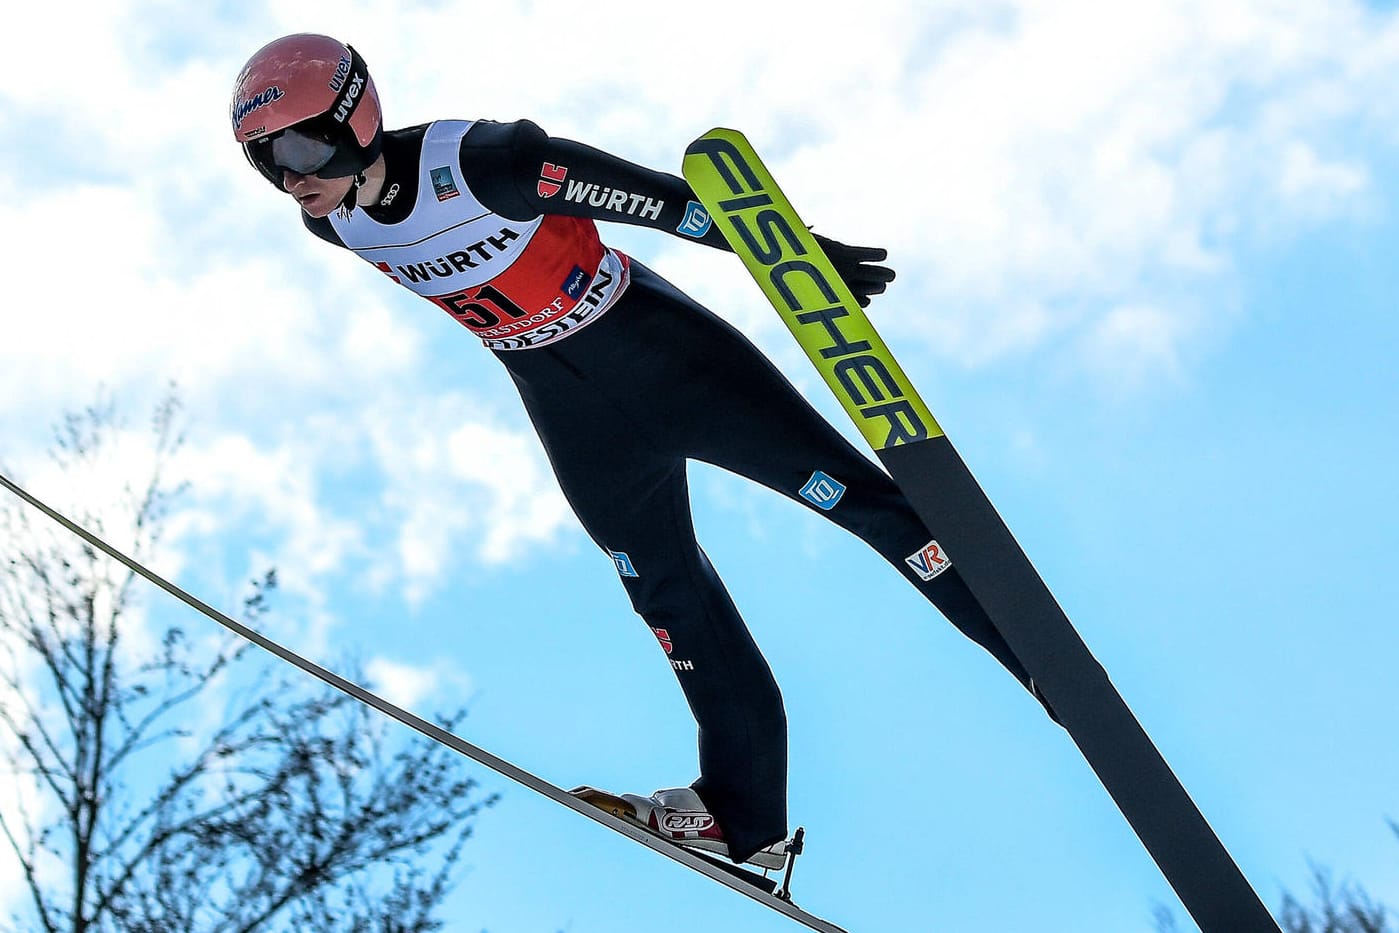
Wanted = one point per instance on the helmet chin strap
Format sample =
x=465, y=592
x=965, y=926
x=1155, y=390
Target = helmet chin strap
x=352, y=196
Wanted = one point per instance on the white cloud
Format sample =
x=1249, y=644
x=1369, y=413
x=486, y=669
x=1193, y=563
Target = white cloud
x=401, y=684
x=459, y=488
x=417, y=688
x=1308, y=179
x=1048, y=175
x=1135, y=344
x=236, y=481
x=1074, y=156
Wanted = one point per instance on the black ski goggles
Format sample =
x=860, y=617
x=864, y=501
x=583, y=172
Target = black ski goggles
x=303, y=151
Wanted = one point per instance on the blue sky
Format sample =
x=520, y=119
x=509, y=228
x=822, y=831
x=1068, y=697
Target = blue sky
x=1146, y=284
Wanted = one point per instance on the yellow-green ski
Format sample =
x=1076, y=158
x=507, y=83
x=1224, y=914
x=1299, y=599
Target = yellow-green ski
x=757, y=219
x=761, y=227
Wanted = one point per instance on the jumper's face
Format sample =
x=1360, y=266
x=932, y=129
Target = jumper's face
x=317, y=196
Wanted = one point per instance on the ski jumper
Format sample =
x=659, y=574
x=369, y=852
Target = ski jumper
x=625, y=379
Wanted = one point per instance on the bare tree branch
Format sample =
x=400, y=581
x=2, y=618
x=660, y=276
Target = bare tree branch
x=293, y=813
x=31, y=881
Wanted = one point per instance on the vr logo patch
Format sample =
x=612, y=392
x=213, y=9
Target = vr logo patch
x=929, y=562
x=624, y=564
x=697, y=221
x=823, y=491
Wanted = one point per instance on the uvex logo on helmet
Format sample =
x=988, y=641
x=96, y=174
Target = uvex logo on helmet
x=347, y=102
x=342, y=71
x=347, y=95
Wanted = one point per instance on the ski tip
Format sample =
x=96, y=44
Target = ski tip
x=717, y=133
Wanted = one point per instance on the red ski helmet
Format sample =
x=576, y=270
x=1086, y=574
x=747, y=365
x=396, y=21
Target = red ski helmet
x=307, y=103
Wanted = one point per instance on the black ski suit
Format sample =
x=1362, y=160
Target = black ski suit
x=623, y=396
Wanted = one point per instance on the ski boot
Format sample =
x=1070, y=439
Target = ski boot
x=679, y=816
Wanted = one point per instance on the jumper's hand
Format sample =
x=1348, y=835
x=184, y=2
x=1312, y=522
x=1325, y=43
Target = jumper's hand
x=857, y=267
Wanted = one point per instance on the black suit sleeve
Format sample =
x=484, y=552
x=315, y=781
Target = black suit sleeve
x=520, y=172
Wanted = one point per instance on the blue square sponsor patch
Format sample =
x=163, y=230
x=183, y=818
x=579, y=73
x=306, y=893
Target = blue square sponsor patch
x=823, y=491
x=443, y=184
x=624, y=564
x=576, y=283
x=697, y=221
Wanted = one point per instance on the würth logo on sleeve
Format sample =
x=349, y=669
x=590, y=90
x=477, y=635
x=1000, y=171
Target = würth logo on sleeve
x=551, y=179
x=930, y=561
x=663, y=637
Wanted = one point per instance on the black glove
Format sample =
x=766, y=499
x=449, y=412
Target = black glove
x=856, y=267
